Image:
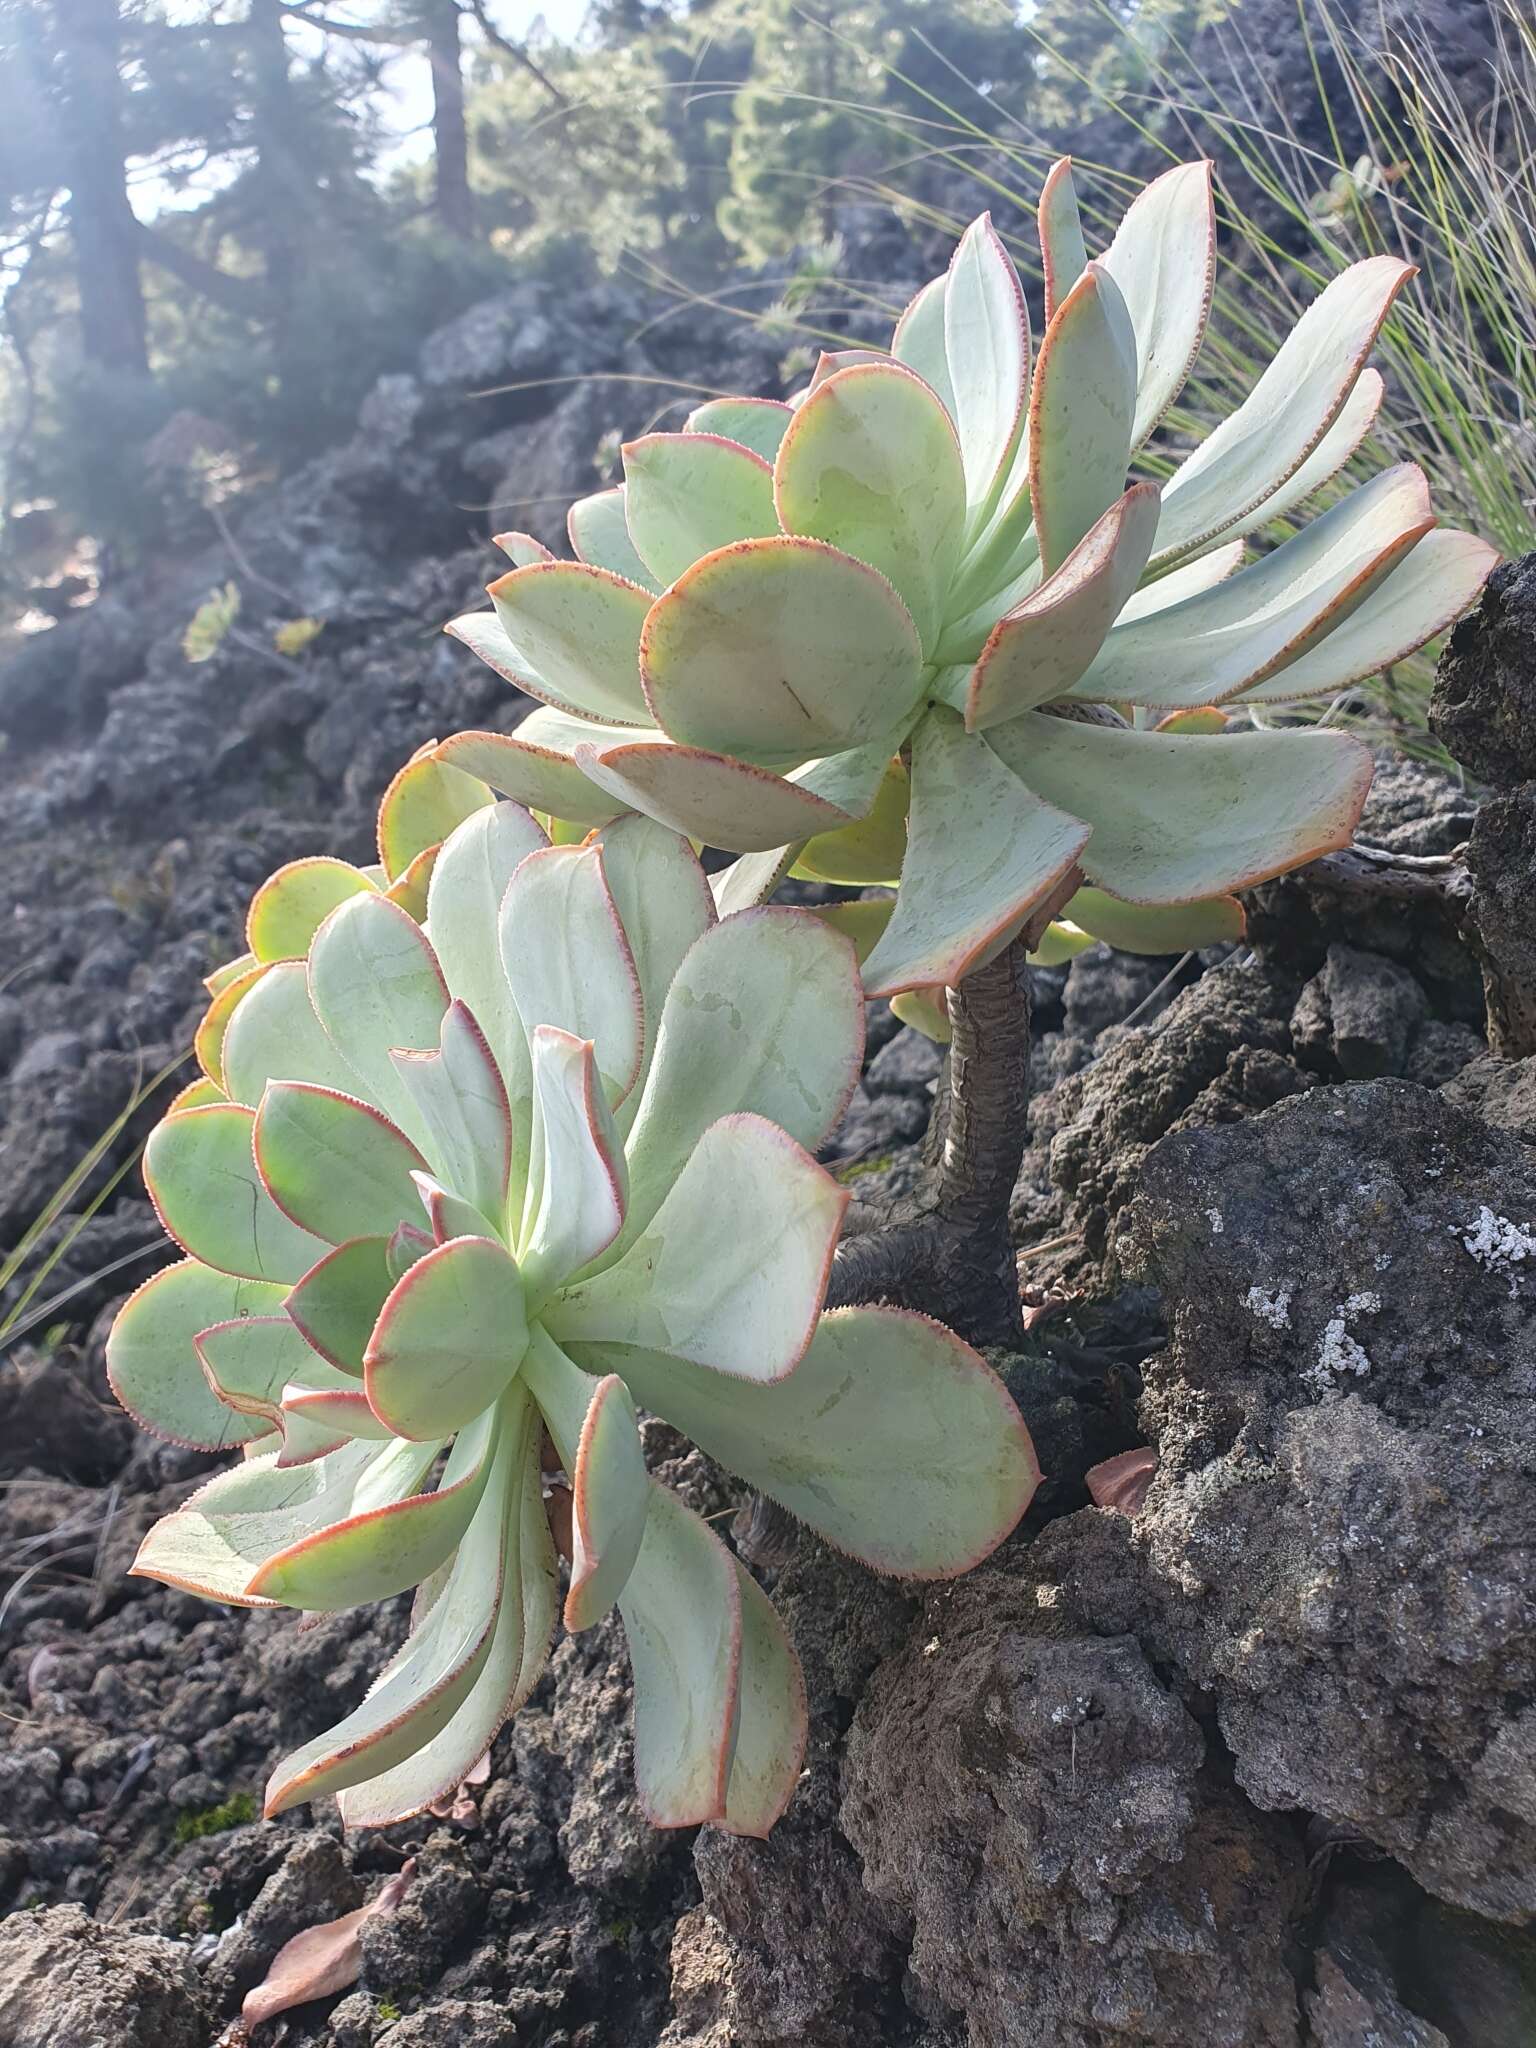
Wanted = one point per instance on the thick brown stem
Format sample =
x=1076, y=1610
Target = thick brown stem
x=947, y=1252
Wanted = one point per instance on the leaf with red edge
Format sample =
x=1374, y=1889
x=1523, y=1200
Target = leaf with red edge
x=688, y=494
x=449, y=1338
x=982, y=850
x=732, y=1268
x=1081, y=410
x=891, y=1439
x=152, y=1361
x=421, y=806
x=292, y=904
x=202, y=1178
x=568, y=960
x=781, y=650
x=337, y=1166
x=1063, y=251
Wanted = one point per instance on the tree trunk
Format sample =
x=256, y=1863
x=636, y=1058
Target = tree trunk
x=286, y=203
x=453, y=200
x=103, y=229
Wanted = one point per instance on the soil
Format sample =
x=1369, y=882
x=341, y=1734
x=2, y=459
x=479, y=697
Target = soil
x=1254, y=1767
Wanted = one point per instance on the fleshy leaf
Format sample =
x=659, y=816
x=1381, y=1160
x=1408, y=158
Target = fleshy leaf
x=422, y=805
x=752, y=987
x=780, y=650
x=663, y=898
x=772, y=1722
x=337, y=1302
x=292, y=904
x=536, y=765
x=427, y=1681
x=521, y=549
x=597, y=1434
x=709, y=797
x=1238, y=632
x=1179, y=816
x=891, y=1438
x=578, y=1178
x=569, y=962
x=1063, y=252
x=461, y=1101
x=410, y=886
x=579, y=630
x=757, y=423
x=986, y=345
x=873, y=465
x=919, y=341
x=232, y=970
x=1081, y=411
x=214, y=1543
x=860, y=923
x=751, y=880
x=732, y=1268
x=383, y=1548
x=926, y=1010
x=518, y=1653
x=1420, y=597
x=152, y=1360
x=337, y=1166
x=208, y=1040
x=982, y=850
x=202, y=1179
x=599, y=532
x=198, y=1094
x=1148, y=928
x=1163, y=258
x=871, y=850
x=683, y=1624
x=1247, y=457
x=1355, y=420
x=275, y=1035
x=449, y=1214
x=1040, y=649
x=376, y=987
x=463, y=904
x=1202, y=572
x=688, y=494
x=248, y=1362
x=448, y=1339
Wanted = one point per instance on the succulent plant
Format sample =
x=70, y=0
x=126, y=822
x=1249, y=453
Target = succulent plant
x=460, y=1197
x=914, y=622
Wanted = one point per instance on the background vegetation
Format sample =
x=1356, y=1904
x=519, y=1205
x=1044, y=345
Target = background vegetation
x=224, y=218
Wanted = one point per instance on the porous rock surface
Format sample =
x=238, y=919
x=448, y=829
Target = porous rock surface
x=66, y=1981
x=1339, y=1548
x=1036, y=1801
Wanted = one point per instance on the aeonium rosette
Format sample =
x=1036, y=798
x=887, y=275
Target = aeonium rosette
x=924, y=624
x=452, y=1188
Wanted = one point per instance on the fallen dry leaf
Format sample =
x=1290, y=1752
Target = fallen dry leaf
x=1121, y=1483
x=321, y=1959
x=460, y=1805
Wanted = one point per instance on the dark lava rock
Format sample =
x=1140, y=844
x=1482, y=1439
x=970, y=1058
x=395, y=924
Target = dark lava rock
x=1035, y=1800
x=1361, y=1013
x=1220, y=1052
x=1339, y=1548
x=68, y=1982
x=1484, y=702
x=1501, y=1092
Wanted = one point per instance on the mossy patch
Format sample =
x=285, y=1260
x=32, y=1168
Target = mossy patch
x=233, y=1812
